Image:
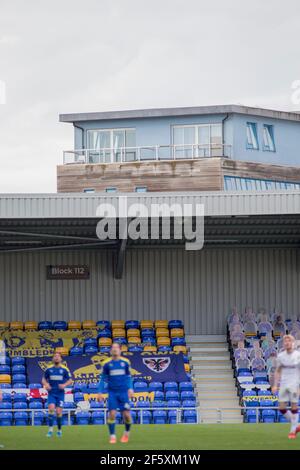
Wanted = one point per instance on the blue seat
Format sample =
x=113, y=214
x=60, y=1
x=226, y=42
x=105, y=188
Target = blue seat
x=189, y=404
x=147, y=332
x=20, y=386
x=159, y=396
x=6, y=418
x=159, y=404
x=143, y=404
x=6, y=397
x=133, y=416
x=178, y=342
x=159, y=417
x=60, y=325
x=78, y=396
x=77, y=387
x=35, y=405
x=174, y=404
x=268, y=416
x=18, y=361
x=69, y=405
x=21, y=418
x=18, y=369
x=281, y=418
x=132, y=324
x=135, y=348
x=5, y=386
x=19, y=378
x=251, y=416
x=149, y=340
x=164, y=349
x=144, y=416
x=38, y=419
x=20, y=405
x=260, y=375
x=185, y=386
x=35, y=385
x=175, y=324
x=5, y=405
x=104, y=334
x=95, y=404
x=97, y=417
x=187, y=396
x=90, y=342
x=186, y=359
x=4, y=370
x=65, y=418
x=264, y=393
x=76, y=351
x=172, y=395
x=266, y=403
x=189, y=416
x=20, y=397
x=93, y=388
x=90, y=350
x=120, y=340
x=83, y=417
x=103, y=324
x=243, y=370
x=5, y=361
x=155, y=387
x=140, y=386
x=249, y=393
x=172, y=417
x=171, y=387
x=104, y=349
x=45, y=325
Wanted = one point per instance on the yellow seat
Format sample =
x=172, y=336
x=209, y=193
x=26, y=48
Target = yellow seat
x=162, y=332
x=5, y=379
x=119, y=333
x=177, y=333
x=62, y=350
x=88, y=324
x=187, y=367
x=133, y=332
x=30, y=325
x=118, y=324
x=16, y=325
x=161, y=323
x=105, y=341
x=150, y=348
x=4, y=325
x=134, y=340
x=163, y=341
x=179, y=348
x=74, y=325
x=146, y=324
x=124, y=348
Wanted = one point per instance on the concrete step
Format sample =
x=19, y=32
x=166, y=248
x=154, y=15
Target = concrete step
x=205, y=338
x=204, y=350
x=207, y=345
x=203, y=362
x=219, y=367
x=216, y=395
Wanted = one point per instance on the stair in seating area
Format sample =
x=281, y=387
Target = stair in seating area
x=213, y=379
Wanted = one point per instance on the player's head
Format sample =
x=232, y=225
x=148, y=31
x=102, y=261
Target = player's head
x=57, y=358
x=288, y=342
x=115, y=350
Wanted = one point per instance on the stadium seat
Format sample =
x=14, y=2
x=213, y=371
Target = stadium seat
x=82, y=417
x=5, y=360
x=4, y=325
x=187, y=368
x=251, y=416
x=176, y=333
x=90, y=350
x=159, y=396
x=104, y=334
x=134, y=340
x=74, y=325
x=174, y=404
x=171, y=387
x=45, y=325
x=162, y=332
x=19, y=385
x=189, y=404
x=6, y=418
x=140, y=386
x=4, y=386
x=143, y=404
x=62, y=350
x=161, y=323
x=105, y=342
x=163, y=341
x=21, y=418
x=18, y=361
x=4, y=370
x=78, y=396
x=5, y=405
x=18, y=369
x=268, y=416
x=30, y=325
x=148, y=332
x=20, y=405
x=175, y=341
x=60, y=325
x=264, y=393
x=35, y=405
x=120, y=340
x=146, y=324
x=88, y=325
x=37, y=419
x=90, y=342
x=150, y=348
x=164, y=349
x=19, y=378
x=76, y=351
x=103, y=325
x=20, y=397
x=94, y=404
x=179, y=348
x=133, y=332
x=6, y=397
x=135, y=348
x=118, y=333
x=172, y=395
x=172, y=417
x=149, y=340
x=133, y=416
x=118, y=324
x=97, y=417
x=5, y=379
x=159, y=417
x=189, y=416
x=155, y=387
x=104, y=349
x=132, y=324
x=188, y=395
x=144, y=416
x=124, y=348
x=16, y=325
x=175, y=324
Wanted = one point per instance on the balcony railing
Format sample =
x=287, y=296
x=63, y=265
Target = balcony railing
x=146, y=153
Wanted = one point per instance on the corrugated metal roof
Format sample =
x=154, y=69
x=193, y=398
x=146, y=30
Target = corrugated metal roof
x=73, y=205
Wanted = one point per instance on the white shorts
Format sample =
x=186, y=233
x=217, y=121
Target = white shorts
x=288, y=394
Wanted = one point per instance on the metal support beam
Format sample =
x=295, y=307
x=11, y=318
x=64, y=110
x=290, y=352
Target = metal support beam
x=120, y=261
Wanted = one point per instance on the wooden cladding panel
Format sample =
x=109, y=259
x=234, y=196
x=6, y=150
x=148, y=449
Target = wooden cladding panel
x=260, y=170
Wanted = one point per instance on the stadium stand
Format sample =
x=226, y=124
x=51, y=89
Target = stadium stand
x=170, y=402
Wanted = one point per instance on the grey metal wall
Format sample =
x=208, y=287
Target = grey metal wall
x=198, y=287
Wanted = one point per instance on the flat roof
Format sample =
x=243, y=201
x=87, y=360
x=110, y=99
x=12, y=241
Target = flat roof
x=180, y=111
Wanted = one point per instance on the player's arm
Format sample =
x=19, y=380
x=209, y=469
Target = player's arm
x=129, y=382
x=102, y=383
x=67, y=378
x=45, y=382
x=277, y=377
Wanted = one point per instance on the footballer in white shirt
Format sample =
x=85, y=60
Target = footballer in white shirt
x=287, y=381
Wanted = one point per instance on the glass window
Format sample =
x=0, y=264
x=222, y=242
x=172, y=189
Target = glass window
x=88, y=190
x=201, y=140
x=216, y=140
x=111, y=189
x=268, y=138
x=252, y=141
x=141, y=189
x=109, y=145
x=183, y=138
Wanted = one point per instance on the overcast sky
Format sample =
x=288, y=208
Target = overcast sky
x=63, y=56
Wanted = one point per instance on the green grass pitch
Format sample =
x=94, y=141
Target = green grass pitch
x=154, y=437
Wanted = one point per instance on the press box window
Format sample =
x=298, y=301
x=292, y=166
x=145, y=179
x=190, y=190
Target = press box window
x=252, y=140
x=141, y=189
x=268, y=138
x=111, y=190
x=89, y=190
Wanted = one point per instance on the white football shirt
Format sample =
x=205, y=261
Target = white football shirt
x=290, y=368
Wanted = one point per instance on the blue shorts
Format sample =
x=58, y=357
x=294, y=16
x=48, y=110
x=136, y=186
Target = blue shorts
x=56, y=398
x=118, y=401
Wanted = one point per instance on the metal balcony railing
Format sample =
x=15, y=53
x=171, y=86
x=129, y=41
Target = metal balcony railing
x=146, y=153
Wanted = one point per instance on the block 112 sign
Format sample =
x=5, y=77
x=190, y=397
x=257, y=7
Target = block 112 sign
x=68, y=272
